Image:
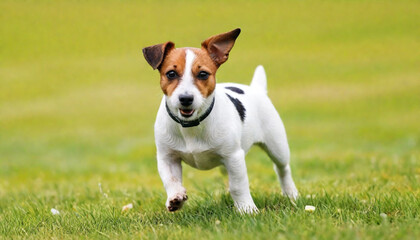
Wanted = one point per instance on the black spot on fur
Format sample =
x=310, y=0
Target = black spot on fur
x=239, y=107
x=236, y=89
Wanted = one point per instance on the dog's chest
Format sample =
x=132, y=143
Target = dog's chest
x=201, y=160
x=199, y=153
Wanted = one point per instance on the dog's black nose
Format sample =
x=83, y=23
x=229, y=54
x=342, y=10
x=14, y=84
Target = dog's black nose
x=186, y=99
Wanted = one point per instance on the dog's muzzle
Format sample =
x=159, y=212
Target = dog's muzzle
x=192, y=123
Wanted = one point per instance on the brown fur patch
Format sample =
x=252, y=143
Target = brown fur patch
x=174, y=60
x=203, y=62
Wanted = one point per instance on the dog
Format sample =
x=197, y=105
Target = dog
x=206, y=124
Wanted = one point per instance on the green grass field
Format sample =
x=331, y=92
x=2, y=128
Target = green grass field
x=78, y=102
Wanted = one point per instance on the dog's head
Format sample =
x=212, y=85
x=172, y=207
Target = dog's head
x=188, y=75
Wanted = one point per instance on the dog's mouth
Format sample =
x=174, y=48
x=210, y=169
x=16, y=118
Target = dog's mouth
x=186, y=112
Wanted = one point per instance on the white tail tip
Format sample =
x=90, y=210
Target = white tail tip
x=259, y=80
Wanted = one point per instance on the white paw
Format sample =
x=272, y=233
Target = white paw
x=291, y=192
x=176, y=201
x=247, y=208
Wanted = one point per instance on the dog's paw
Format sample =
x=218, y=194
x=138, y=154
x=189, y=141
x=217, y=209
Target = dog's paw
x=175, y=203
x=291, y=192
x=247, y=209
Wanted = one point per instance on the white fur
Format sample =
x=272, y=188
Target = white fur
x=259, y=80
x=222, y=138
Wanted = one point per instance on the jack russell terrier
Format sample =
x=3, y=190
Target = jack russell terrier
x=206, y=124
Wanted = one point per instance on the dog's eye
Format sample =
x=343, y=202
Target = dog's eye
x=202, y=75
x=171, y=75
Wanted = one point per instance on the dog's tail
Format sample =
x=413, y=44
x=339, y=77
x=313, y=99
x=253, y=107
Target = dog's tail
x=259, y=80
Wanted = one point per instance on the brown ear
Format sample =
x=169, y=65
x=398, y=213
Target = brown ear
x=220, y=45
x=155, y=54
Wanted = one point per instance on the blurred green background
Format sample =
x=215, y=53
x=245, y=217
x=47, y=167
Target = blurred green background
x=78, y=100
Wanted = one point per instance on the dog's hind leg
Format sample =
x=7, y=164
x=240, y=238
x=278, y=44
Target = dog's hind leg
x=276, y=146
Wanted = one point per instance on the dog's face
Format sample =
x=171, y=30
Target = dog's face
x=188, y=75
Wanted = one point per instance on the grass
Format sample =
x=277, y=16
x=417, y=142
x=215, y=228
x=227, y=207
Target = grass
x=78, y=101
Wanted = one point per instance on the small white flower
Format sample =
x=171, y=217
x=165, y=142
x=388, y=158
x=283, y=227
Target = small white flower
x=309, y=208
x=127, y=207
x=384, y=217
x=217, y=222
x=54, y=211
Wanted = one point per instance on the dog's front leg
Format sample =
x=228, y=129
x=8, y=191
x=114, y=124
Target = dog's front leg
x=170, y=171
x=238, y=182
